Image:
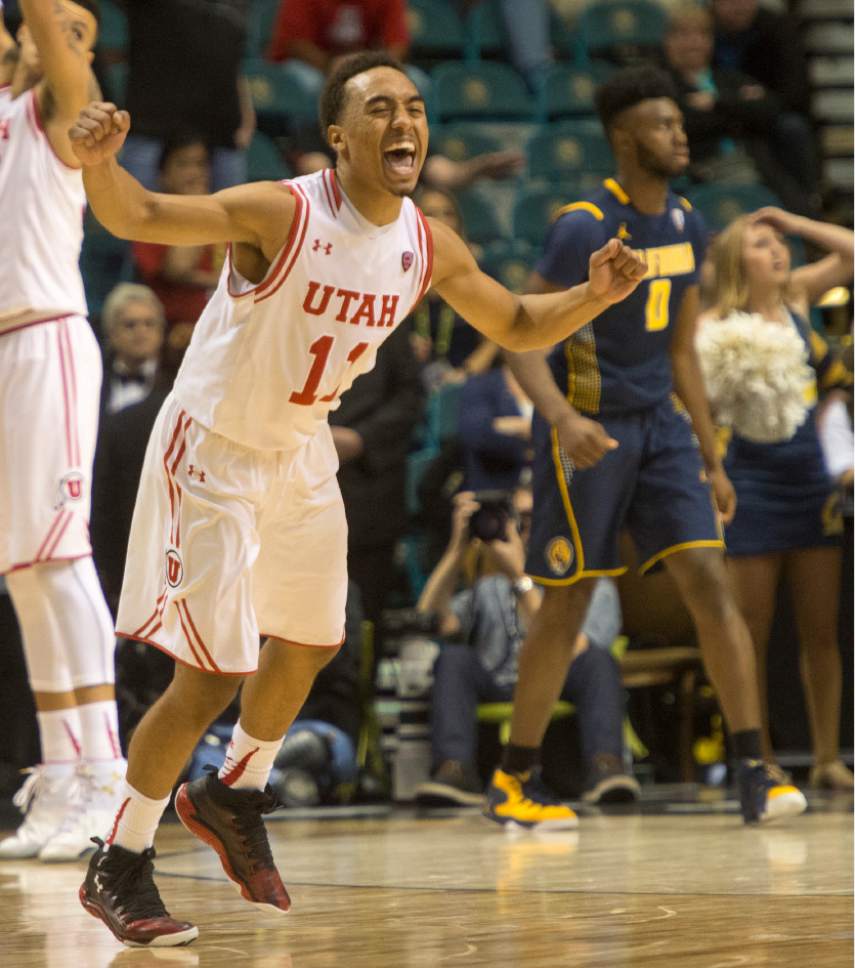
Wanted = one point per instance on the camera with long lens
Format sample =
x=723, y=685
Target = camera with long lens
x=490, y=521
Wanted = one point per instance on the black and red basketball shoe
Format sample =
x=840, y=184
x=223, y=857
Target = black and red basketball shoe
x=120, y=890
x=231, y=822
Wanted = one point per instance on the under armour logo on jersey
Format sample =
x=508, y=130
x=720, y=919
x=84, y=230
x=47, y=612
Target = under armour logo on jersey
x=4, y=130
x=407, y=260
x=623, y=233
x=194, y=471
x=326, y=246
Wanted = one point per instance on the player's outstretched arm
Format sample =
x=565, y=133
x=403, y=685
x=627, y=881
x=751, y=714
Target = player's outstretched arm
x=532, y=321
x=259, y=214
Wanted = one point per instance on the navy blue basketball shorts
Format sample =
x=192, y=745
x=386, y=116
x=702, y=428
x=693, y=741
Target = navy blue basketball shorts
x=653, y=485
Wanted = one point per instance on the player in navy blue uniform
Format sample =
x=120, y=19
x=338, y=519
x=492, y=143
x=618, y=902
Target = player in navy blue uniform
x=788, y=521
x=624, y=439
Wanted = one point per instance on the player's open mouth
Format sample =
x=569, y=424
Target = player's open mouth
x=401, y=159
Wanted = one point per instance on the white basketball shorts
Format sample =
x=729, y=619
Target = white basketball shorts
x=50, y=383
x=229, y=544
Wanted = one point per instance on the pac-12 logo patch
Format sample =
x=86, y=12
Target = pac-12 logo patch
x=678, y=218
x=559, y=556
x=407, y=260
x=174, y=568
x=71, y=488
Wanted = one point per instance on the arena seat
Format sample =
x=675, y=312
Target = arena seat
x=436, y=31
x=509, y=261
x=481, y=92
x=721, y=204
x=460, y=142
x=565, y=149
x=567, y=92
x=262, y=19
x=621, y=30
x=278, y=97
x=479, y=216
x=264, y=160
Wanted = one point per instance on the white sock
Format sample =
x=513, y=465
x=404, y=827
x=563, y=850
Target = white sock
x=60, y=735
x=100, y=731
x=136, y=821
x=248, y=761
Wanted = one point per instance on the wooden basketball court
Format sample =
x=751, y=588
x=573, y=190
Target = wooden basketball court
x=678, y=883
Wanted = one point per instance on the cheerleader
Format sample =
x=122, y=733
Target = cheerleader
x=788, y=521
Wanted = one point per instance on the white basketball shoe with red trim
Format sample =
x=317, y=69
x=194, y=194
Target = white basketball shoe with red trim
x=100, y=787
x=45, y=799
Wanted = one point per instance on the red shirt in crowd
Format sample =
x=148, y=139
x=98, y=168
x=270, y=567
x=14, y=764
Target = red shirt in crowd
x=340, y=26
x=182, y=302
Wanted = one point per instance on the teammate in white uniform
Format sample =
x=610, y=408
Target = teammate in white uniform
x=239, y=527
x=50, y=373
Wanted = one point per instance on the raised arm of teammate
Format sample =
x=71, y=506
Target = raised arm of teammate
x=64, y=35
x=531, y=321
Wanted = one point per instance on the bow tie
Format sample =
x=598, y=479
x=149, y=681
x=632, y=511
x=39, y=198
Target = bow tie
x=127, y=378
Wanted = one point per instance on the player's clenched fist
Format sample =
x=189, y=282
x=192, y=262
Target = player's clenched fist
x=99, y=132
x=615, y=270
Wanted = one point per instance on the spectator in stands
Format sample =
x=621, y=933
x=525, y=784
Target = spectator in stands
x=730, y=118
x=310, y=35
x=183, y=276
x=184, y=71
x=527, y=32
x=371, y=431
x=788, y=520
x=765, y=45
x=134, y=324
x=483, y=628
x=445, y=344
x=495, y=430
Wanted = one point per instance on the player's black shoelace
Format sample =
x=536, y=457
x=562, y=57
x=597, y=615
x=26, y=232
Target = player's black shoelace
x=129, y=878
x=253, y=834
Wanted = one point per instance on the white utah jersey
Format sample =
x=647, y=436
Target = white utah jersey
x=41, y=213
x=268, y=362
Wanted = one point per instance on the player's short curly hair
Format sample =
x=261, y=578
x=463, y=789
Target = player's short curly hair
x=333, y=96
x=629, y=87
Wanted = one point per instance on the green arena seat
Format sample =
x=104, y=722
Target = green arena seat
x=278, y=97
x=622, y=29
x=264, y=160
x=535, y=207
x=461, y=143
x=436, y=30
x=721, y=204
x=262, y=20
x=563, y=150
x=480, y=221
x=481, y=92
x=568, y=92
x=509, y=261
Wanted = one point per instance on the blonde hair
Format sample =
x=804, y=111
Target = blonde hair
x=121, y=295
x=730, y=291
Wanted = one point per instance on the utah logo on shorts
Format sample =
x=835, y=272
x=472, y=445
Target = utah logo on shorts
x=559, y=556
x=70, y=489
x=174, y=568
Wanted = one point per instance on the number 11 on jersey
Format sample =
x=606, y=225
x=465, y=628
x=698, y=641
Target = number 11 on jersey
x=321, y=349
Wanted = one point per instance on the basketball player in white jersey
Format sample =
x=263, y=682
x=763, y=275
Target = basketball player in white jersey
x=50, y=374
x=239, y=529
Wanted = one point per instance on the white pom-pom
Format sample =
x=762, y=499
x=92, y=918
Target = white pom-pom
x=757, y=376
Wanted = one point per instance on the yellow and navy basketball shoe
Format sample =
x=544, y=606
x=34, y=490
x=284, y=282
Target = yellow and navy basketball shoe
x=525, y=801
x=765, y=794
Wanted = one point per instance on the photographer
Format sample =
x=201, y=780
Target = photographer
x=482, y=629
